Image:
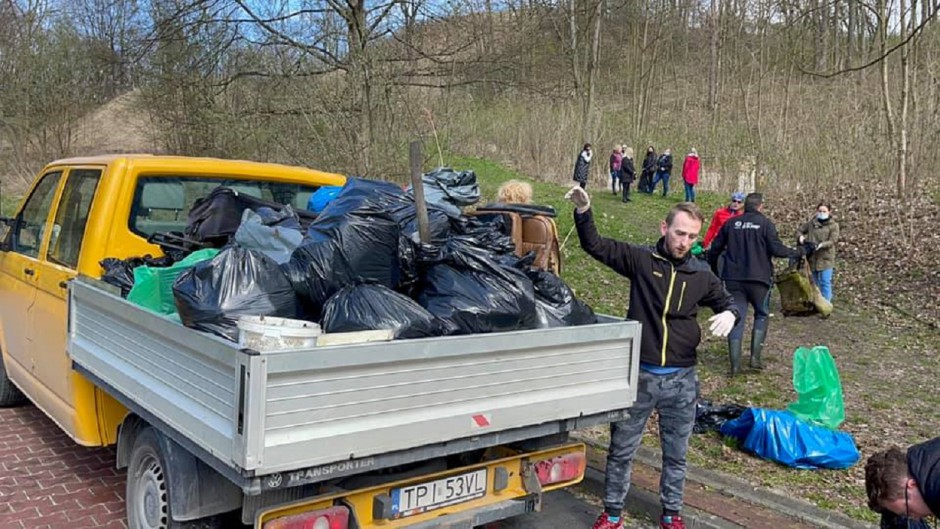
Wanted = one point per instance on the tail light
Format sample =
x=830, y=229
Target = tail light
x=332, y=518
x=561, y=468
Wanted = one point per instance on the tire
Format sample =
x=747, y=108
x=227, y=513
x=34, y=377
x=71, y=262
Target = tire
x=147, y=494
x=10, y=395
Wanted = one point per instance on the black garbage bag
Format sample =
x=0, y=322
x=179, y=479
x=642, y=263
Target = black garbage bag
x=355, y=248
x=490, y=231
x=472, y=292
x=556, y=304
x=120, y=272
x=710, y=417
x=213, y=294
x=450, y=190
x=370, y=306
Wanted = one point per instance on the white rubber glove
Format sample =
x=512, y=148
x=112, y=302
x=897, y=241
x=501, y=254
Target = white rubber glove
x=721, y=324
x=580, y=199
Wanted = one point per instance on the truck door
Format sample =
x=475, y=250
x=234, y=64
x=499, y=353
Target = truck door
x=68, y=397
x=18, y=277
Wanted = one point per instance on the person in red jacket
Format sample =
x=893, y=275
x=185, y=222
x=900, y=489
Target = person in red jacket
x=690, y=169
x=722, y=215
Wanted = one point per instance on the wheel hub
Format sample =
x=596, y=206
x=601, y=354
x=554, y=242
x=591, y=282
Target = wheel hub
x=152, y=497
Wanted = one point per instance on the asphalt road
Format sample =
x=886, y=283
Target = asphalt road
x=560, y=510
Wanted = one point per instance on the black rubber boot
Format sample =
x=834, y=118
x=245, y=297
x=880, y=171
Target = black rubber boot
x=734, y=353
x=757, y=345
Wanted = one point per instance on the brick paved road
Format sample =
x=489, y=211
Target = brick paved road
x=49, y=482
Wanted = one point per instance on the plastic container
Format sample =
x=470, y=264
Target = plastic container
x=268, y=333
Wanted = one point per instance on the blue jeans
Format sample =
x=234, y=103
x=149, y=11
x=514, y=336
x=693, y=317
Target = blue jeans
x=823, y=280
x=664, y=176
x=674, y=396
x=689, y=192
x=614, y=178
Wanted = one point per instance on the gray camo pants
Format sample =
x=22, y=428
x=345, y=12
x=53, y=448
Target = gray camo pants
x=674, y=395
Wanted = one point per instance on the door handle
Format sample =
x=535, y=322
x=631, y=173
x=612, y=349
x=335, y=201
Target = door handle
x=29, y=271
x=63, y=284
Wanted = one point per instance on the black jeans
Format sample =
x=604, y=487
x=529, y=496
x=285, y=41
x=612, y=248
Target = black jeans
x=753, y=293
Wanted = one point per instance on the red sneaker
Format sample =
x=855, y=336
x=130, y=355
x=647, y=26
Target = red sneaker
x=671, y=522
x=603, y=522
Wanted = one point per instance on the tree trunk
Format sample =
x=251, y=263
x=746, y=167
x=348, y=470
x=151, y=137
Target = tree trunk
x=713, y=57
x=905, y=97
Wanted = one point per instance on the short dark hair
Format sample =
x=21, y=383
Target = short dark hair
x=685, y=207
x=884, y=472
x=586, y=146
x=824, y=203
x=753, y=201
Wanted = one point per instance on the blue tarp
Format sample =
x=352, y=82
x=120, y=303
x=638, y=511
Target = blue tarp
x=781, y=437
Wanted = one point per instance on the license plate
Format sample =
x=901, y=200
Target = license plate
x=416, y=499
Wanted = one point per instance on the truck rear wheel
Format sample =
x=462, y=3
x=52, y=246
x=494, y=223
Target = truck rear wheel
x=147, y=494
x=10, y=395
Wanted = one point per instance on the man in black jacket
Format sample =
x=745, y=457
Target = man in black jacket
x=905, y=488
x=667, y=286
x=749, y=242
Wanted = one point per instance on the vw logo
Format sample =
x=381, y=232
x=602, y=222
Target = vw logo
x=274, y=481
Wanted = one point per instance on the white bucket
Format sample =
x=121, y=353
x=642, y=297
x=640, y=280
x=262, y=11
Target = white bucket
x=267, y=333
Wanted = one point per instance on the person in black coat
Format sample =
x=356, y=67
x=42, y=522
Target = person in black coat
x=627, y=173
x=748, y=242
x=649, y=168
x=905, y=487
x=667, y=287
x=582, y=166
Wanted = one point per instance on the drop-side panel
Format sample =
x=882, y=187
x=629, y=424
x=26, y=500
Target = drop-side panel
x=186, y=379
x=369, y=399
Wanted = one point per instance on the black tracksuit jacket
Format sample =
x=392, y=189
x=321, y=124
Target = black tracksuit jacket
x=665, y=294
x=748, y=242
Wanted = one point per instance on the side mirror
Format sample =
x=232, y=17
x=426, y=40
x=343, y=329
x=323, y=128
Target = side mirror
x=6, y=229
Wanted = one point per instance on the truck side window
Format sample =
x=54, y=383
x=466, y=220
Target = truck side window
x=31, y=222
x=72, y=215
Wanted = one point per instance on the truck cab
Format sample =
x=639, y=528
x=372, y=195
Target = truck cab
x=78, y=212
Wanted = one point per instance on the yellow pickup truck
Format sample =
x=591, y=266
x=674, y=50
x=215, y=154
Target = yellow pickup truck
x=452, y=431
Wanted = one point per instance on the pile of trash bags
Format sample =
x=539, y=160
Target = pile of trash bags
x=357, y=264
x=806, y=435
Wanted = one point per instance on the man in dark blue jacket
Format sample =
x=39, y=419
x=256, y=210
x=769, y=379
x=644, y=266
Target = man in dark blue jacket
x=905, y=488
x=749, y=242
x=667, y=286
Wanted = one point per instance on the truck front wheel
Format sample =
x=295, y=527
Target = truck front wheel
x=147, y=494
x=10, y=395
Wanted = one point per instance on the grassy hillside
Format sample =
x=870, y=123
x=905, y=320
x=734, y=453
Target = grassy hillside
x=881, y=360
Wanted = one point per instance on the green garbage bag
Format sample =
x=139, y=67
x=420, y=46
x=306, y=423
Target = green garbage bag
x=818, y=388
x=153, y=286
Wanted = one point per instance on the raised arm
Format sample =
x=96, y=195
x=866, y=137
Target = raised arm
x=619, y=256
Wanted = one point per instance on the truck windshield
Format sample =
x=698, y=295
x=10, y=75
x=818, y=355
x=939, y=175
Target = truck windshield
x=162, y=203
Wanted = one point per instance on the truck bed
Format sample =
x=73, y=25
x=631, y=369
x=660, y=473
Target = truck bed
x=317, y=413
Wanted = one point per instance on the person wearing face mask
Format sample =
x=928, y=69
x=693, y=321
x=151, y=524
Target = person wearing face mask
x=823, y=230
x=667, y=287
x=905, y=487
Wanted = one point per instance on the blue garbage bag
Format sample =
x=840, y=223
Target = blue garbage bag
x=782, y=437
x=321, y=197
